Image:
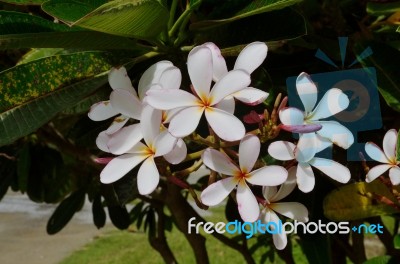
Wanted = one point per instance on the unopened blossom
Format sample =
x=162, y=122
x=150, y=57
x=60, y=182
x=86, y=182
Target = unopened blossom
x=333, y=102
x=191, y=107
x=284, y=150
x=388, y=156
x=292, y=210
x=240, y=176
x=157, y=143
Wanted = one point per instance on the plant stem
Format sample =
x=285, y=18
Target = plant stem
x=172, y=12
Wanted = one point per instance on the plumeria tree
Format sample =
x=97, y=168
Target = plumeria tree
x=125, y=101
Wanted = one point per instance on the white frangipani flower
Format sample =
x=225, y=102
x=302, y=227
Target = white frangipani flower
x=387, y=156
x=249, y=149
x=284, y=150
x=292, y=210
x=185, y=121
x=158, y=143
x=333, y=102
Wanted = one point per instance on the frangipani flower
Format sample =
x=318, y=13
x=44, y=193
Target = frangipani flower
x=192, y=107
x=292, y=210
x=284, y=150
x=249, y=149
x=333, y=102
x=157, y=144
x=387, y=156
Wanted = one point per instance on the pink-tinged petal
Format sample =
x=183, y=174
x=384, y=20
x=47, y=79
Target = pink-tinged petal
x=123, y=140
x=306, y=147
x=185, y=121
x=249, y=149
x=151, y=76
x=269, y=192
x=119, y=166
x=292, y=210
x=389, y=144
x=148, y=177
x=375, y=152
x=227, y=126
x=287, y=187
x=126, y=103
x=200, y=70
x=164, y=143
x=218, y=191
x=218, y=62
x=232, y=82
x=305, y=177
x=247, y=203
x=282, y=150
x=102, y=140
x=227, y=104
x=178, y=153
x=333, y=102
x=251, y=96
x=171, y=78
x=150, y=124
x=336, y=133
x=102, y=111
x=376, y=171
x=302, y=128
x=291, y=116
x=251, y=57
x=118, y=79
x=219, y=162
x=167, y=99
x=253, y=118
x=394, y=175
x=331, y=168
x=268, y=176
x=307, y=91
x=117, y=124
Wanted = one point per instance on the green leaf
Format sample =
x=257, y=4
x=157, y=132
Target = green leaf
x=316, y=248
x=33, y=93
x=354, y=202
x=23, y=166
x=398, y=29
x=381, y=260
x=36, y=54
x=99, y=214
x=119, y=216
x=24, y=2
x=382, y=8
x=141, y=19
x=253, y=8
x=65, y=211
x=396, y=241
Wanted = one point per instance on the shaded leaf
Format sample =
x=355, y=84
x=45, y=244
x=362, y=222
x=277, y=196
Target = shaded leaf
x=316, y=248
x=23, y=166
x=396, y=241
x=381, y=260
x=24, y=2
x=99, y=214
x=8, y=170
x=119, y=216
x=382, y=8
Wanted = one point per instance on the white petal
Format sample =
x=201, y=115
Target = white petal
x=247, y=203
x=287, y=187
x=151, y=76
x=269, y=191
x=171, y=78
x=119, y=166
x=292, y=210
x=148, y=177
x=218, y=191
x=123, y=140
x=102, y=140
x=336, y=133
x=394, y=175
x=167, y=99
x=228, y=104
x=150, y=124
x=251, y=96
x=305, y=177
x=291, y=116
x=307, y=91
x=118, y=79
x=139, y=148
x=200, y=70
x=249, y=149
x=126, y=103
x=117, y=124
x=164, y=143
x=306, y=147
x=251, y=57
x=227, y=126
x=282, y=150
x=333, y=169
x=178, y=153
x=102, y=111
x=219, y=64
x=333, y=102
x=375, y=152
x=169, y=114
x=376, y=171
x=322, y=143
x=185, y=121
x=219, y=162
x=389, y=144
x=268, y=176
x=232, y=82
x=279, y=239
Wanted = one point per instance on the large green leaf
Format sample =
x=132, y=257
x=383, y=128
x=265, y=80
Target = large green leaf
x=384, y=8
x=32, y=93
x=24, y=2
x=354, y=202
x=252, y=8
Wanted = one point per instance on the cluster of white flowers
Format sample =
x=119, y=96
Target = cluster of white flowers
x=154, y=122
